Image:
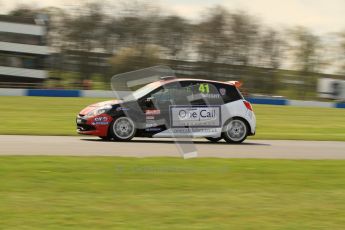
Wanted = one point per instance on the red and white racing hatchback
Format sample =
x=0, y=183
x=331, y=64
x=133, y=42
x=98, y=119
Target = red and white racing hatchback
x=173, y=107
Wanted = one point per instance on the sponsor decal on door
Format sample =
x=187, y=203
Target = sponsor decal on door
x=195, y=116
x=152, y=112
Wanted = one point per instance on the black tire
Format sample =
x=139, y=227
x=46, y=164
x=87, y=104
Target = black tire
x=122, y=129
x=235, y=131
x=214, y=140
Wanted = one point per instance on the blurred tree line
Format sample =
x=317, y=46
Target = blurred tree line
x=138, y=35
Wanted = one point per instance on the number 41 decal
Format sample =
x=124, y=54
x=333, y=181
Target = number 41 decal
x=204, y=88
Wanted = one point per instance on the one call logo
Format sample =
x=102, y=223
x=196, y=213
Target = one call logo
x=192, y=116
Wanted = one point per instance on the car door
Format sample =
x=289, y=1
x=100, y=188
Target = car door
x=156, y=109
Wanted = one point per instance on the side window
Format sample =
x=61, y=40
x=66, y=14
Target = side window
x=161, y=95
x=199, y=93
x=229, y=93
x=202, y=93
x=174, y=92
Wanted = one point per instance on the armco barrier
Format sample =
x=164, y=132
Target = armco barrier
x=96, y=93
x=340, y=105
x=320, y=104
x=268, y=101
x=12, y=92
x=53, y=93
x=110, y=94
x=103, y=93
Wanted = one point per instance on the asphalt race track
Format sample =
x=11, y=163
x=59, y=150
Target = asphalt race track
x=145, y=147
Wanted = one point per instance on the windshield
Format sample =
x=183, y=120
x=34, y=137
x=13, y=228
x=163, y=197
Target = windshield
x=124, y=85
x=141, y=92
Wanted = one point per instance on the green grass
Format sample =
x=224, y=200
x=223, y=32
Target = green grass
x=56, y=116
x=41, y=115
x=296, y=123
x=168, y=193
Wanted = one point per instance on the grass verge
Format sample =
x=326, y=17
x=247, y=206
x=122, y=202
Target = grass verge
x=168, y=193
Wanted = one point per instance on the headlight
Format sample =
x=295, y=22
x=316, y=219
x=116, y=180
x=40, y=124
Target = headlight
x=98, y=111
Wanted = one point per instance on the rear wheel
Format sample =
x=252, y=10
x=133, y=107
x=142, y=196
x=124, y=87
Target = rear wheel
x=123, y=129
x=214, y=140
x=235, y=131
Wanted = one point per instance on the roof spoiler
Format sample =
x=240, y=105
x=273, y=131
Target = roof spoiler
x=237, y=84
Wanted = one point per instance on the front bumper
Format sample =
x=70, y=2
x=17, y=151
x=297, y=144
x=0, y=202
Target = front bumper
x=96, y=126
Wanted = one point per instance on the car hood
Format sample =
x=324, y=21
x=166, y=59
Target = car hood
x=98, y=105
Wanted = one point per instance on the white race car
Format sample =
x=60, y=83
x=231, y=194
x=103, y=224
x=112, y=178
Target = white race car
x=173, y=107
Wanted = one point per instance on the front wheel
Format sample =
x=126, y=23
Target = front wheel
x=123, y=129
x=235, y=131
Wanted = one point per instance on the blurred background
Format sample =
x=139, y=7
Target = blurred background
x=60, y=45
